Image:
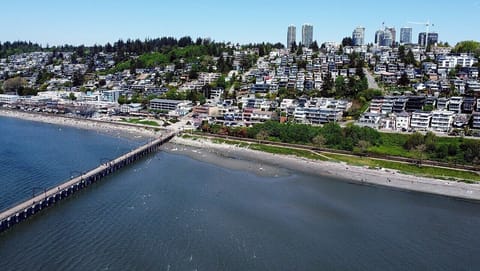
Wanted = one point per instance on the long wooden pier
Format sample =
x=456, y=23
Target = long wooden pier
x=28, y=208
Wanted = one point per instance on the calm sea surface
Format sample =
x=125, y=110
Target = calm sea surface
x=170, y=212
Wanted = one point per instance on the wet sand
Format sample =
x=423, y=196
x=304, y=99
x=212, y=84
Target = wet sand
x=267, y=164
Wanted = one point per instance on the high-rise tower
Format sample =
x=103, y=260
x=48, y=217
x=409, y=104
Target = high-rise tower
x=291, y=36
x=405, y=35
x=358, y=36
x=307, y=35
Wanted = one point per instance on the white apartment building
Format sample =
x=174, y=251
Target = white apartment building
x=476, y=120
x=455, y=104
x=8, y=99
x=442, y=121
x=286, y=103
x=442, y=103
x=402, y=121
x=451, y=61
x=420, y=120
x=369, y=119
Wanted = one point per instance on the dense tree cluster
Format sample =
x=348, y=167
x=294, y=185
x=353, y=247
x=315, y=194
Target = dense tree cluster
x=446, y=149
x=18, y=47
x=360, y=140
x=330, y=135
x=468, y=46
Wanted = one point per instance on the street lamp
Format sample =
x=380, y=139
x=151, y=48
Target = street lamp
x=43, y=189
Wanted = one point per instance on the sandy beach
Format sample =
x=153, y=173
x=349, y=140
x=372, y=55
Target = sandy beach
x=116, y=129
x=266, y=164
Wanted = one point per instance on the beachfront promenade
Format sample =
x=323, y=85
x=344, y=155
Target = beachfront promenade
x=22, y=211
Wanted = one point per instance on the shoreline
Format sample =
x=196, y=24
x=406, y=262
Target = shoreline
x=348, y=173
x=266, y=164
x=110, y=128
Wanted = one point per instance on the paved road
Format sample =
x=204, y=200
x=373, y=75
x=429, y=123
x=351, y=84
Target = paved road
x=371, y=80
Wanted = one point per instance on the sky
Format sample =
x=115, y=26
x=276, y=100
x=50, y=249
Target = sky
x=57, y=22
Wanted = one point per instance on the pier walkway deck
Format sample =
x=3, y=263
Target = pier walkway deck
x=23, y=210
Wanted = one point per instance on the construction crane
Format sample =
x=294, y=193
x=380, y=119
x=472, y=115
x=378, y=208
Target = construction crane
x=427, y=25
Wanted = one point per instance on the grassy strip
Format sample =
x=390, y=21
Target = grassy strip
x=139, y=121
x=426, y=171
x=267, y=148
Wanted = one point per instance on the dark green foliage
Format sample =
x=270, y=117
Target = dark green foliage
x=362, y=140
x=333, y=136
x=403, y=81
x=43, y=76
x=347, y=41
x=18, y=47
x=369, y=94
x=314, y=46
x=71, y=96
x=27, y=92
x=77, y=79
x=471, y=151
x=327, y=85
x=468, y=46
x=414, y=140
x=173, y=94
x=410, y=58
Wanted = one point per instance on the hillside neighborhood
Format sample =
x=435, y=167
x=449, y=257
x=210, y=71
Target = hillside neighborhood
x=391, y=88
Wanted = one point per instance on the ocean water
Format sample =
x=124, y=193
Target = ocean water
x=35, y=156
x=171, y=212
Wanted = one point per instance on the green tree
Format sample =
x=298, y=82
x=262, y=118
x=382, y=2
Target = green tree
x=15, y=84
x=314, y=46
x=332, y=133
x=404, y=81
x=414, y=140
x=340, y=86
x=347, y=41
x=362, y=146
x=77, y=79
x=410, y=58
x=401, y=53
x=471, y=151
x=319, y=141
x=468, y=46
x=327, y=85
x=262, y=135
x=300, y=50
x=71, y=96
x=122, y=99
x=419, y=153
x=293, y=47
x=430, y=141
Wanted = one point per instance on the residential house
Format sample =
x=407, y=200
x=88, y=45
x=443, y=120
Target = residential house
x=420, y=120
x=455, y=104
x=468, y=104
x=476, y=120
x=371, y=120
x=402, y=121
x=442, y=103
x=415, y=103
x=442, y=121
